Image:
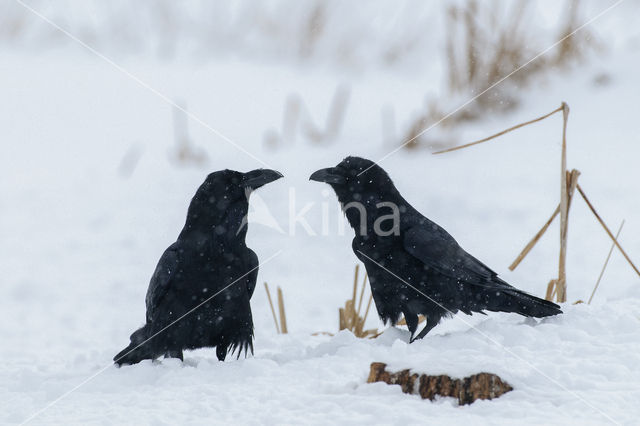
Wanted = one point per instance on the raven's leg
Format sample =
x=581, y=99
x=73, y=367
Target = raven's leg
x=221, y=351
x=174, y=353
x=412, y=323
x=432, y=321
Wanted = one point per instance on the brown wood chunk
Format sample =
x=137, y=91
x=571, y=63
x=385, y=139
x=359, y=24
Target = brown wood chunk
x=466, y=391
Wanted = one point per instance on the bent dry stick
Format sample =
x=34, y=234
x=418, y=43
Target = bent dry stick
x=606, y=228
x=606, y=262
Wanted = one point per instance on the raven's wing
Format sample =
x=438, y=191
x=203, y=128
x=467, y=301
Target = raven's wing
x=440, y=251
x=161, y=279
x=252, y=276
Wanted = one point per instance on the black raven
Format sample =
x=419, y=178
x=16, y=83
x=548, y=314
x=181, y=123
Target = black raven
x=415, y=266
x=199, y=293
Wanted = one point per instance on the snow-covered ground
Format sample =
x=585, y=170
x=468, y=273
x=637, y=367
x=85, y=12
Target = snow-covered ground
x=80, y=240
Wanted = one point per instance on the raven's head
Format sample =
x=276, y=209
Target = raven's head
x=223, y=199
x=355, y=179
x=361, y=186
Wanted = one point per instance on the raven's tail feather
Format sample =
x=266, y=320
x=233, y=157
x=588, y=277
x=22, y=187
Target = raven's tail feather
x=241, y=338
x=137, y=350
x=519, y=302
x=245, y=346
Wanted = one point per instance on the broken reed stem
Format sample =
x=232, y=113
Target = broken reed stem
x=551, y=290
x=606, y=262
x=350, y=312
x=534, y=240
x=615, y=241
x=348, y=316
x=273, y=311
x=283, y=317
x=510, y=129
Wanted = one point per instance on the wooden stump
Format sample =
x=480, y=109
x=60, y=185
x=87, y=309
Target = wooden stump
x=467, y=390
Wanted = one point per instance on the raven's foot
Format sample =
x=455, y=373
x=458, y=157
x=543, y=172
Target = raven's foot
x=174, y=354
x=427, y=328
x=412, y=323
x=221, y=352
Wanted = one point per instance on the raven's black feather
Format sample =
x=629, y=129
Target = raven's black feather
x=200, y=290
x=415, y=266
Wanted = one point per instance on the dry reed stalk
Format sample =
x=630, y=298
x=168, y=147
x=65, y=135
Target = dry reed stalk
x=186, y=152
x=534, y=240
x=561, y=284
x=572, y=178
x=606, y=262
x=505, y=42
x=615, y=241
x=291, y=118
x=297, y=118
x=552, y=288
x=342, y=324
x=572, y=47
x=283, y=317
x=273, y=311
x=335, y=118
x=568, y=184
x=349, y=318
x=510, y=129
x=471, y=26
x=350, y=313
x=453, y=74
x=366, y=312
x=415, y=131
x=315, y=27
x=130, y=161
x=337, y=112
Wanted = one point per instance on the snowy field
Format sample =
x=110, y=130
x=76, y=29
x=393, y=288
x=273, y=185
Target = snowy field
x=80, y=240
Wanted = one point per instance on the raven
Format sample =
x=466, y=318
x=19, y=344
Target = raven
x=199, y=293
x=414, y=265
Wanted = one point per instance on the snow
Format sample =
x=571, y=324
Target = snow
x=80, y=242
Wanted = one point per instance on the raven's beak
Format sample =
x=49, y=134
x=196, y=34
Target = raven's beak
x=329, y=175
x=259, y=177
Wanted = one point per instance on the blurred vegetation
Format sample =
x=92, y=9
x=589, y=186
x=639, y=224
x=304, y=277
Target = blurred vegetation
x=484, y=48
x=473, y=43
